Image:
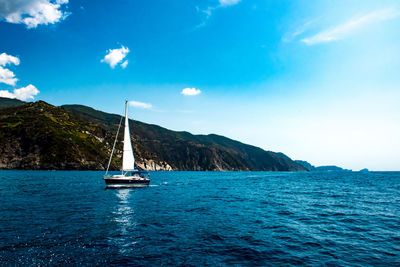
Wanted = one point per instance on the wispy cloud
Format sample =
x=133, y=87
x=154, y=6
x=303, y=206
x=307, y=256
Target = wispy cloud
x=207, y=13
x=116, y=56
x=228, y=2
x=190, y=91
x=298, y=30
x=343, y=30
x=138, y=104
x=184, y=111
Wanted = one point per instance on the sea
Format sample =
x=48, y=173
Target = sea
x=201, y=218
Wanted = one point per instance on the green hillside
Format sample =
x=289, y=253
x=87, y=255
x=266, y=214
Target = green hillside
x=41, y=136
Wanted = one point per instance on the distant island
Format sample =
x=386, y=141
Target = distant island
x=40, y=136
x=310, y=167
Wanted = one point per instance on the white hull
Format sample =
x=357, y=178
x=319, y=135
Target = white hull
x=126, y=185
x=118, y=181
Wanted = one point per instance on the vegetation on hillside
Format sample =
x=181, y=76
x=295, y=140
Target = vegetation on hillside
x=41, y=136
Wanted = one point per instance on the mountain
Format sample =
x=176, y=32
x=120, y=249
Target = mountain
x=9, y=102
x=305, y=164
x=184, y=151
x=42, y=136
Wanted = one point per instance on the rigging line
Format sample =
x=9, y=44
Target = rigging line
x=115, y=141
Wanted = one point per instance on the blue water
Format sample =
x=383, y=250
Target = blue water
x=201, y=218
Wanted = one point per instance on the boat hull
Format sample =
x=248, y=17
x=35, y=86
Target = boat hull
x=126, y=182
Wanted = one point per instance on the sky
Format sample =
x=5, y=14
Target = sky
x=316, y=80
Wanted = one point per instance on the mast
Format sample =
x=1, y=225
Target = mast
x=128, y=161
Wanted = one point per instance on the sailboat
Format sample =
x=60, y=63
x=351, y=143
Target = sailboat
x=130, y=176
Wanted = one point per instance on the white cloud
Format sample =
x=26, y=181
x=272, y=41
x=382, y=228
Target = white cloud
x=23, y=93
x=33, y=12
x=190, y=91
x=228, y=2
x=6, y=75
x=138, y=104
x=124, y=64
x=115, y=56
x=8, y=59
x=341, y=31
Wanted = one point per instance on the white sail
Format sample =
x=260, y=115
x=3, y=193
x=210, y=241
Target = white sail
x=128, y=161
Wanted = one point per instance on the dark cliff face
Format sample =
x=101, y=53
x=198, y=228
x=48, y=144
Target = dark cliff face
x=41, y=136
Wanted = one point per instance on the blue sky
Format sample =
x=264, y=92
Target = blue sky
x=317, y=80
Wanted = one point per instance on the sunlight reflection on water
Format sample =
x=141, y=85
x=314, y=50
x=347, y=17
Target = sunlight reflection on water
x=125, y=218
